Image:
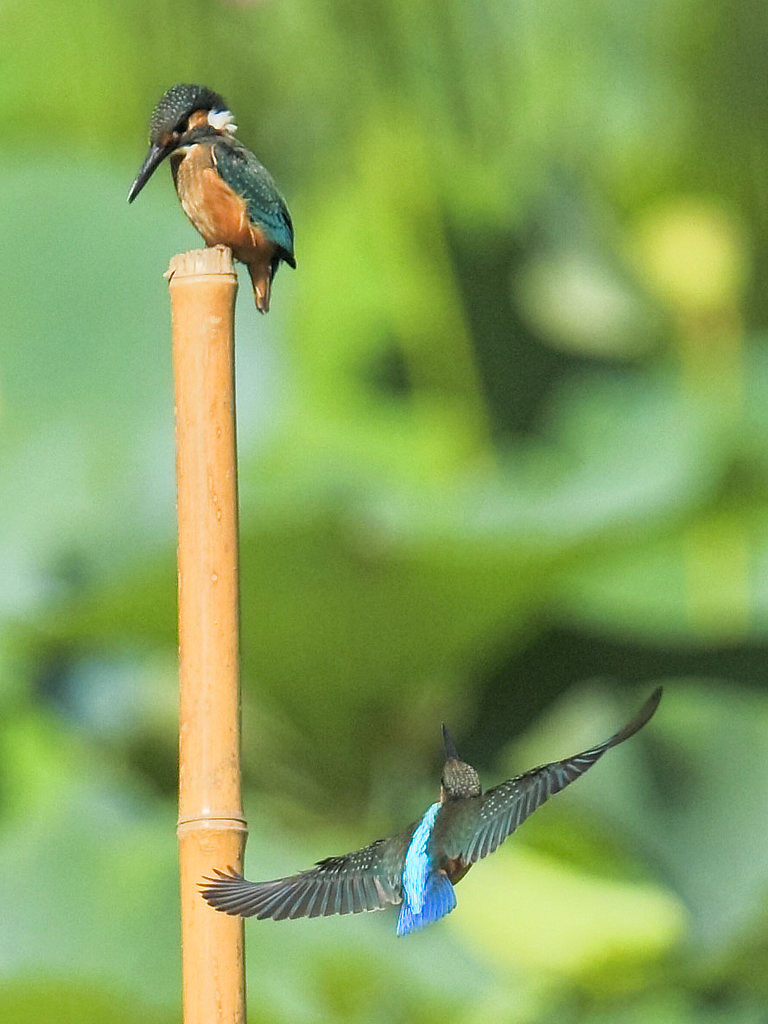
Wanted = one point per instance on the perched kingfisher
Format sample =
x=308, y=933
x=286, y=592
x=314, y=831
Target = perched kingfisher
x=227, y=194
x=419, y=867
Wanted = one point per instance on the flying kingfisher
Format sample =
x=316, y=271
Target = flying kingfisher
x=227, y=194
x=419, y=867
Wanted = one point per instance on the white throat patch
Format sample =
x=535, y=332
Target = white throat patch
x=222, y=121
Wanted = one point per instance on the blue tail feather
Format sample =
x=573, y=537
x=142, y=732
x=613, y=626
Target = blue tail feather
x=439, y=900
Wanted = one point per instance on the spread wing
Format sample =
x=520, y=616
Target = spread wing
x=368, y=879
x=250, y=179
x=495, y=815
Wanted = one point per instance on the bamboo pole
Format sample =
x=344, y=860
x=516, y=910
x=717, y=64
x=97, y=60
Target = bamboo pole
x=211, y=828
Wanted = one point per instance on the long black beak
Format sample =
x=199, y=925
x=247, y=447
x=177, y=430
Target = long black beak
x=450, y=747
x=154, y=157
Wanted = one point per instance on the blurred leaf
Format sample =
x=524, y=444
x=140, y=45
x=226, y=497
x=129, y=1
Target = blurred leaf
x=72, y=1002
x=525, y=910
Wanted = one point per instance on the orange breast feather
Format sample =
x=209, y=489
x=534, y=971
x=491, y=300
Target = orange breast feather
x=218, y=213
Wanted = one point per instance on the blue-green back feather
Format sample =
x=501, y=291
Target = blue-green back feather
x=250, y=179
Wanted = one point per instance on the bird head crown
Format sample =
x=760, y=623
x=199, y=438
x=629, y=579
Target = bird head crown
x=460, y=780
x=181, y=114
x=176, y=106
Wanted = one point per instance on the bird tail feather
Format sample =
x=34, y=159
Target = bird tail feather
x=261, y=279
x=439, y=900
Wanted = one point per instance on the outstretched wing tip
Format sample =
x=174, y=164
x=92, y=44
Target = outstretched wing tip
x=227, y=874
x=359, y=881
x=644, y=715
x=653, y=702
x=505, y=807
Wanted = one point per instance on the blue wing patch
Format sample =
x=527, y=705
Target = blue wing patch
x=439, y=900
x=427, y=894
x=417, y=867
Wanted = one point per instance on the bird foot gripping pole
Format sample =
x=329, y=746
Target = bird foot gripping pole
x=211, y=829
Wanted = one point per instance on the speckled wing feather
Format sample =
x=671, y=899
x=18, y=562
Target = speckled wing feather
x=249, y=178
x=487, y=820
x=368, y=879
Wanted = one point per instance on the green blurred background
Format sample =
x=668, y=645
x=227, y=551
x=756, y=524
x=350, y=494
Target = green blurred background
x=502, y=464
